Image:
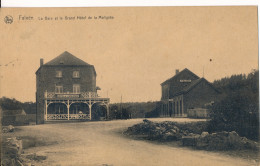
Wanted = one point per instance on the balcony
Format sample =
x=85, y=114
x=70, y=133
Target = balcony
x=84, y=95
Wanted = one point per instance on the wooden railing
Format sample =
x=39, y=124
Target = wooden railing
x=71, y=95
x=79, y=116
x=57, y=116
x=65, y=116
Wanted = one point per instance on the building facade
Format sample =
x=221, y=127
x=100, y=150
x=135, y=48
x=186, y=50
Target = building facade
x=185, y=91
x=66, y=90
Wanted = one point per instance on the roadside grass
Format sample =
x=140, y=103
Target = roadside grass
x=11, y=156
x=33, y=141
x=28, y=139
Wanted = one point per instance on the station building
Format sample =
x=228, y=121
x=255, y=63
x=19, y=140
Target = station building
x=185, y=91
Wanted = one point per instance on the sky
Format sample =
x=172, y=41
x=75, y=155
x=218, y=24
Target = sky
x=134, y=52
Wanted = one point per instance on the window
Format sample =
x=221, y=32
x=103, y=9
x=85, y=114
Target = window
x=75, y=74
x=76, y=88
x=58, y=89
x=58, y=74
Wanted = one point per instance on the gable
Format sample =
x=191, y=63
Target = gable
x=201, y=85
x=184, y=75
x=66, y=58
x=179, y=82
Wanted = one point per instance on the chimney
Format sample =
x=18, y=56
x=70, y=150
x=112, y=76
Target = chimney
x=177, y=71
x=41, y=62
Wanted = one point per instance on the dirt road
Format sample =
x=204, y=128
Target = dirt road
x=101, y=144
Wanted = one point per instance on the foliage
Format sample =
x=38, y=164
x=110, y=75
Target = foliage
x=131, y=110
x=100, y=111
x=238, y=108
x=10, y=104
x=155, y=112
x=116, y=113
x=29, y=107
x=13, y=104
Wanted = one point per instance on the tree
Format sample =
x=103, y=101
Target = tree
x=239, y=107
x=10, y=104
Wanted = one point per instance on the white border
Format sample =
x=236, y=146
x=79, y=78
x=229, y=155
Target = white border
x=110, y=3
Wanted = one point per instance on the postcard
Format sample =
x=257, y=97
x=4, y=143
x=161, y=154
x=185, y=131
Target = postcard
x=124, y=86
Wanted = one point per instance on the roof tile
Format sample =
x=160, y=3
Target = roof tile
x=66, y=58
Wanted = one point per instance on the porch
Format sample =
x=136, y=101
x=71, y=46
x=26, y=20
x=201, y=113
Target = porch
x=173, y=107
x=70, y=106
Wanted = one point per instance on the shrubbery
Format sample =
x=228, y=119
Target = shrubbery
x=238, y=109
x=117, y=113
x=10, y=104
x=155, y=112
x=132, y=110
x=13, y=104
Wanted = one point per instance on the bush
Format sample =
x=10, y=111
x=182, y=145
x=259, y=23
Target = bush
x=155, y=112
x=238, y=108
x=10, y=104
x=238, y=112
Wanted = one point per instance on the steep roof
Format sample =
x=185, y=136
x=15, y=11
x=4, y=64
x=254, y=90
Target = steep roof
x=66, y=58
x=193, y=85
x=176, y=75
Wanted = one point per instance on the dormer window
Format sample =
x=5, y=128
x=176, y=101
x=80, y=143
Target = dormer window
x=59, y=74
x=75, y=74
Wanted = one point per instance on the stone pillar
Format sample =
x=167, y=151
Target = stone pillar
x=176, y=111
x=179, y=101
x=182, y=105
x=163, y=109
x=178, y=107
x=168, y=109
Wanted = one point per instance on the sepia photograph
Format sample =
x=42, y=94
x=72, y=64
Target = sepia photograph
x=129, y=86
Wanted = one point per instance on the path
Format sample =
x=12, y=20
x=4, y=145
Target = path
x=100, y=144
